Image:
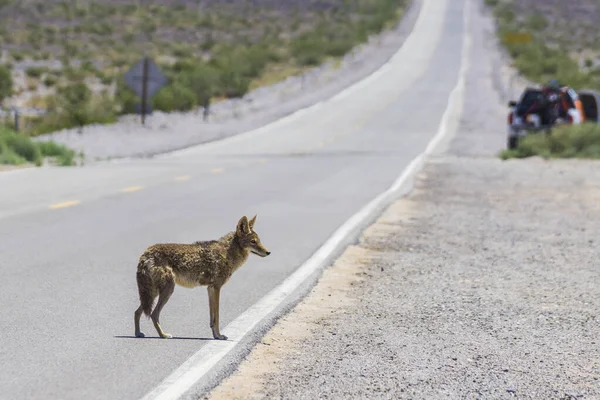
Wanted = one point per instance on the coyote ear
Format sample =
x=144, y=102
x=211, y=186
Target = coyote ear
x=242, y=225
x=251, y=223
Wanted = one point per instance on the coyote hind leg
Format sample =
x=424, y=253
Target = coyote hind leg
x=136, y=319
x=165, y=293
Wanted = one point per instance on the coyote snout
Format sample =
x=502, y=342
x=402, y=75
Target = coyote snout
x=205, y=263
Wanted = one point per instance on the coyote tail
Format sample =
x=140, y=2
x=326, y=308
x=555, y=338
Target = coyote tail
x=145, y=287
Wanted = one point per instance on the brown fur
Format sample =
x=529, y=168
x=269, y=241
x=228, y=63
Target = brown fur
x=207, y=263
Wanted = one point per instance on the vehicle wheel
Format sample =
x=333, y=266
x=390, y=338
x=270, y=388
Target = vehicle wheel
x=513, y=141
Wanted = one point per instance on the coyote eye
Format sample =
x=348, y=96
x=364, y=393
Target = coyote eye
x=254, y=241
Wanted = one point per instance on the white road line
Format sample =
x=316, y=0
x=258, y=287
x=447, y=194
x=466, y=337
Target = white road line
x=199, y=364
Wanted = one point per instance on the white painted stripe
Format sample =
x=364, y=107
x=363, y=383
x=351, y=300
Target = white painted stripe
x=198, y=365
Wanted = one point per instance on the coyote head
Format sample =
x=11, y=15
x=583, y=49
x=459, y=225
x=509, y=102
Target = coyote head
x=248, y=239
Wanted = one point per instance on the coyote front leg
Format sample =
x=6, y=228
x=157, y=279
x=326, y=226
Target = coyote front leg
x=213, y=304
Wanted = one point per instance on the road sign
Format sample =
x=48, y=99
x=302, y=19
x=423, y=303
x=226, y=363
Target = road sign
x=138, y=108
x=145, y=79
x=518, y=37
x=155, y=78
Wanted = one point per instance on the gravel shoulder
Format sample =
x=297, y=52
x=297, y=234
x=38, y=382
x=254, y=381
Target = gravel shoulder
x=481, y=283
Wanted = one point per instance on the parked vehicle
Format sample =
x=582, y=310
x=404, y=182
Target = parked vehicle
x=537, y=110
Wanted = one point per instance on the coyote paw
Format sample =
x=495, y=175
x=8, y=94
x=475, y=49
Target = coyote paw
x=167, y=336
x=220, y=337
x=139, y=334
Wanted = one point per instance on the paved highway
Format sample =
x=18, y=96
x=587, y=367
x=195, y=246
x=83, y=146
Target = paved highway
x=70, y=238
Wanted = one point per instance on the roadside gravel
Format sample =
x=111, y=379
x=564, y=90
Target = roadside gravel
x=168, y=132
x=482, y=283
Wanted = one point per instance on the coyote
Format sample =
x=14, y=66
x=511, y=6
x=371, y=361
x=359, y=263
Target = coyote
x=204, y=263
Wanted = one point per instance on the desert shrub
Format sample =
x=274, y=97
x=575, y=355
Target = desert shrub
x=63, y=155
x=174, y=97
x=74, y=74
x=536, y=22
x=567, y=141
x=182, y=51
x=6, y=83
x=504, y=13
x=202, y=81
x=308, y=49
x=208, y=43
x=125, y=98
x=99, y=28
x=19, y=149
x=102, y=11
x=74, y=106
x=8, y=156
x=339, y=41
x=36, y=72
x=182, y=65
x=237, y=67
x=35, y=38
x=21, y=146
x=104, y=78
x=232, y=81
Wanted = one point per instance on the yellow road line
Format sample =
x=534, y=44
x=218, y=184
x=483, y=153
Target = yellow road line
x=183, y=178
x=64, y=204
x=132, y=189
x=217, y=170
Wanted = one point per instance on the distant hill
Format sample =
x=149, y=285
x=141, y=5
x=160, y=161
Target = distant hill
x=236, y=44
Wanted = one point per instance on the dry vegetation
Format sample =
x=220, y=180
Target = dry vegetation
x=70, y=56
x=565, y=44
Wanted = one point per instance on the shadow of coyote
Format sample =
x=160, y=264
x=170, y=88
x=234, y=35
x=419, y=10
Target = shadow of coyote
x=204, y=263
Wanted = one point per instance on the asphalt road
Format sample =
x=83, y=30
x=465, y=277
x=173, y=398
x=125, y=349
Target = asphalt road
x=70, y=238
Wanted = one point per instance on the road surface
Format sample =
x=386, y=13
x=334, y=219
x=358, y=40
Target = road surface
x=70, y=238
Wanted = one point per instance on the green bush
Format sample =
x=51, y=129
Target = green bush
x=536, y=22
x=74, y=106
x=72, y=100
x=308, y=49
x=63, y=155
x=23, y=147
x=566, y=141
x=174, y=97
x=36, y=72
x=18, y=149
x=202, y=81
x=8, y=156
x=6, y=83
